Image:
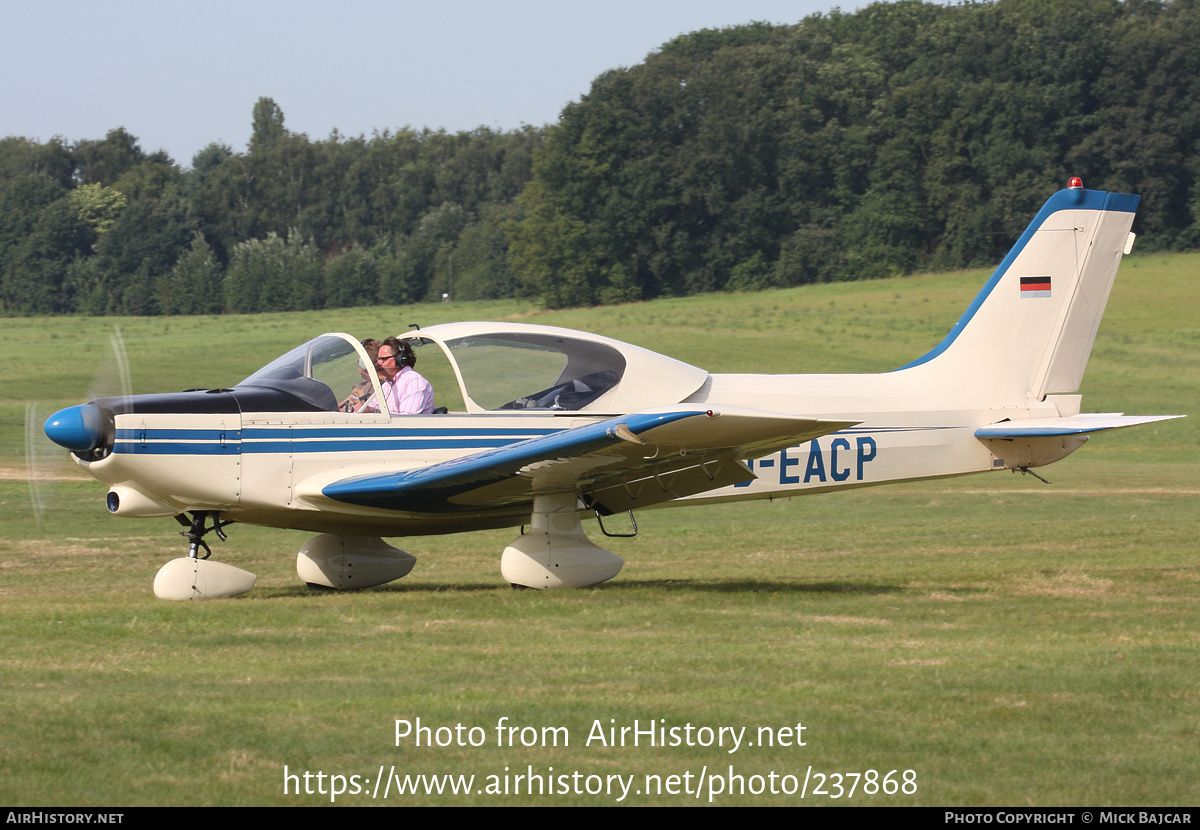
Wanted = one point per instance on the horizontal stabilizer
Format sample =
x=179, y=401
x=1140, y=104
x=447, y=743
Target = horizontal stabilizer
x=1072, y=425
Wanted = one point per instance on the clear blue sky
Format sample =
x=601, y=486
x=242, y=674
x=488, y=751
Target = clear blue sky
x=181, y=75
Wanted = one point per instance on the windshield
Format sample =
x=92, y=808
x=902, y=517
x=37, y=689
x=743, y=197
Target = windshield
x=323, y=372
x=535, y=371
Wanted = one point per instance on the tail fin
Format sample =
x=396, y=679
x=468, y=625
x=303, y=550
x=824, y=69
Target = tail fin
x=1030, y=331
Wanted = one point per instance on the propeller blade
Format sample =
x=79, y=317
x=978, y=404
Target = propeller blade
x=78, y=428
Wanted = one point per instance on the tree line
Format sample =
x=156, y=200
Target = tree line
x=101, y=227
x=904, y=136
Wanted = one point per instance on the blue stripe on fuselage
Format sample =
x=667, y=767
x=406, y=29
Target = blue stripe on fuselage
x=355, y=439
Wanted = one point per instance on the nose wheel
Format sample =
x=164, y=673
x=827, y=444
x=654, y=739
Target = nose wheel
x=195, y=576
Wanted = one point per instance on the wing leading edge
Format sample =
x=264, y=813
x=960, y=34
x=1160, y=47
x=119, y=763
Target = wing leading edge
x=620, y=463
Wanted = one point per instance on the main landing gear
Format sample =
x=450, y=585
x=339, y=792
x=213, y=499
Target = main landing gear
x=555, y=552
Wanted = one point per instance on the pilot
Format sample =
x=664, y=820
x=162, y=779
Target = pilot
x=404, y=391
x=364, y=389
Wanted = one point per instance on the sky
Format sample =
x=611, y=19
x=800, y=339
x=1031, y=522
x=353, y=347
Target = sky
x=180, y=76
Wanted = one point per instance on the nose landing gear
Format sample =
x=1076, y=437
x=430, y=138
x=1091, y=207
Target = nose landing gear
x=195, y=576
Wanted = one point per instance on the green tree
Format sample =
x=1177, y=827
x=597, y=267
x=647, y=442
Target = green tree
x=203, y=163
x=273, y=274
x=21, y=158
x=480, y=257
x=141, y=246
x=193, y=285
x=351, y=279
x=547, y=250
x=103, y=162
x=35, y=279
x=21, y=204
x=152, y=178
x=267, y=126
x=98, y=206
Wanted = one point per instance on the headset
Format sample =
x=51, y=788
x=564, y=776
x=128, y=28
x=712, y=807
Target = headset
x=405, y=356
x=404, y=352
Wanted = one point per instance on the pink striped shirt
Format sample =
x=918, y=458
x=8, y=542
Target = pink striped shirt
x=408, y=394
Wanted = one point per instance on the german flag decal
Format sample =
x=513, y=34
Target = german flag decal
x=1035, y=287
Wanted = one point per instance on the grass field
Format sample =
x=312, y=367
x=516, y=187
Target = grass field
x=1010, y=642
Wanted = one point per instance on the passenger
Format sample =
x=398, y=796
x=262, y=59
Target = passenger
x=404, y=391
x=365, y=388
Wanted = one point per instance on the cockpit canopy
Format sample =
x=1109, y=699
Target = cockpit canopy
x=492, y=367
x=543, y=371
x=321, y=372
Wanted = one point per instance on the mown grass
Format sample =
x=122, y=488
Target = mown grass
x=1013, y=643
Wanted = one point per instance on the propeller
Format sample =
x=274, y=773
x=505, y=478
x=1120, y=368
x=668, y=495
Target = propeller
x=76, y=428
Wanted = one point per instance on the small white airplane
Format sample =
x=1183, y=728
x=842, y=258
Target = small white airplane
x=547, y=426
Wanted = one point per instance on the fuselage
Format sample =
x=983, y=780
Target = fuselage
x=199, y=451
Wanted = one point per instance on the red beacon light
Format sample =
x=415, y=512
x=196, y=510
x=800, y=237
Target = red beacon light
x=1074, y=183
